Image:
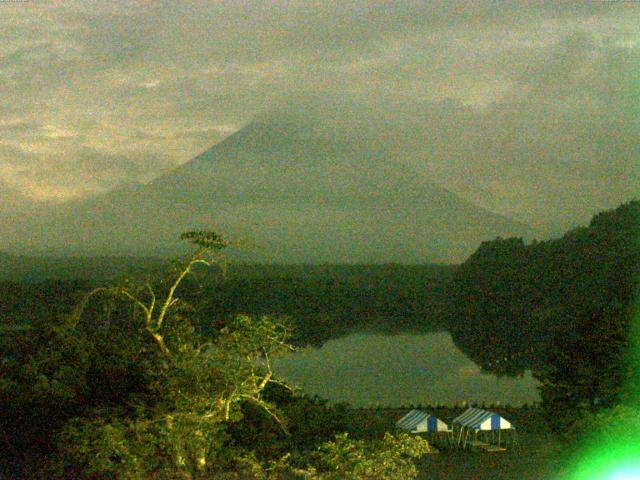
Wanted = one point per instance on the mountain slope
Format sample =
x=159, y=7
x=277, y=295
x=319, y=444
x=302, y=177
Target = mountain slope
x=13, y=205
x=291, y=192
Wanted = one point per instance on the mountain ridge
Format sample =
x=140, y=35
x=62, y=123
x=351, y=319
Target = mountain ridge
x=299, y=192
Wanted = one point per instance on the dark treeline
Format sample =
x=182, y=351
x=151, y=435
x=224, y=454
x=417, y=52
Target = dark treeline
x=34, y=269
x=325, y=302
x=322, y=301
x=26, y=304
x=560, y=307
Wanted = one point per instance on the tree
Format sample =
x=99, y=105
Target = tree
x=486, y=306
x=559, y=307
x=131, y=385
x=587, y=366
x=584, y=372
x=175, y=427
x=390, y=458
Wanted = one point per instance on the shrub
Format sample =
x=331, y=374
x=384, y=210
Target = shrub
x=393, y=457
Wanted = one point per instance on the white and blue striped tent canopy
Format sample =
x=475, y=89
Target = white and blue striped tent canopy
x=478, y=419
x=417, y=421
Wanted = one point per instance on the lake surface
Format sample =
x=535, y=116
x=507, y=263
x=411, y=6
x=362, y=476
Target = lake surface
x=367, y=369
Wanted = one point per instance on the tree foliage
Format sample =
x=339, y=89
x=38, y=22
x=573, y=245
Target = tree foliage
x=193, y=386
x=128, y=386
x=393, y=457
x=560, y=308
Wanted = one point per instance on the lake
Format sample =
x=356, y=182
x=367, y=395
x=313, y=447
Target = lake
x=397, y=370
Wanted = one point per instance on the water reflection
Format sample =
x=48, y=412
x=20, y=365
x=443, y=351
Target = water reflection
x=399, y=370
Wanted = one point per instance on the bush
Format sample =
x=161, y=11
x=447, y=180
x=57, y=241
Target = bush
x=619, y=425
x=393, y=457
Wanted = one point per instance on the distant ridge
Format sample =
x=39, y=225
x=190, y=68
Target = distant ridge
x=291, y=191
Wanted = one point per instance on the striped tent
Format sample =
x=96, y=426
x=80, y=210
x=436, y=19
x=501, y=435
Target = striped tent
x=417, y=421
x=482, y=428
x=478, y=419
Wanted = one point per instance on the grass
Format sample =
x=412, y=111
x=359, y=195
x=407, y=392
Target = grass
x=22, y=327
x=539, y=457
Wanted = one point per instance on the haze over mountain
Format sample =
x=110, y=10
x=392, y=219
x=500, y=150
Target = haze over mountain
x=13, y=204
x=291, y=191
x=528, y=110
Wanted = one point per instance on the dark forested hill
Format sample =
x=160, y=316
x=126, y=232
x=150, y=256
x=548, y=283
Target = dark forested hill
x=29, y=269
x=511, y=300
x=327, y=301
x=560, y=307
x=322, y=301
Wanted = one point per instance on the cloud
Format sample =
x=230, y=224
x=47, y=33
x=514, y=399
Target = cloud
x=526, y=109
x=84, y=170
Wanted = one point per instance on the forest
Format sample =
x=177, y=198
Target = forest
x=165, y=371
x=323, y=301
x=562, y=308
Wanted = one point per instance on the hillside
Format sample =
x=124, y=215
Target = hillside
x=563, y=308
x=290, y=193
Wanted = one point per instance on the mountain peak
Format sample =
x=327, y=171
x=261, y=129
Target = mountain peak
x=300, y=190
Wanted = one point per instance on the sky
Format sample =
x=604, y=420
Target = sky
x=529, y=109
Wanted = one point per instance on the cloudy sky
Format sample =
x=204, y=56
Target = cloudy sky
x=530, y=109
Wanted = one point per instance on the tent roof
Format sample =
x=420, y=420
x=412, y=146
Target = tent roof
x=478, y=419
x=417, y=421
